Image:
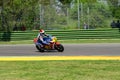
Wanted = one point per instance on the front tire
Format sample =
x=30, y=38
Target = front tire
x=59, y=48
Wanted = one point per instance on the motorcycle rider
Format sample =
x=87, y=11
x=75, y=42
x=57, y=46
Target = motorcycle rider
x=41, y=39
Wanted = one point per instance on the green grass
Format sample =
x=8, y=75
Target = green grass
x=67, y=41
x=17, y=42
x=60, y=70
x=92, y=41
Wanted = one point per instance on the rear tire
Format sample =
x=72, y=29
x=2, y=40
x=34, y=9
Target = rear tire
x=39, y=48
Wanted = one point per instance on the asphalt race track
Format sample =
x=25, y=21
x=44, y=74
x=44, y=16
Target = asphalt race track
x=97, y=49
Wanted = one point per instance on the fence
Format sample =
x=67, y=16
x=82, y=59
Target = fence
x=62, y=34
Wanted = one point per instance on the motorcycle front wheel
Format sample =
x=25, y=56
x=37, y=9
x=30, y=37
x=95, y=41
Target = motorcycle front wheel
x=59, y=48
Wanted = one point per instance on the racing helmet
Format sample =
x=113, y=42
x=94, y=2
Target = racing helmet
x=41, y=31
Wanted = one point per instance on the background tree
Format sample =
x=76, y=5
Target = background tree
x=56, y=14
x=115, y=8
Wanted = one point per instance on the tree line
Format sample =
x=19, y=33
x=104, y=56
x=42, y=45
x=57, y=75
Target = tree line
x=61, y=14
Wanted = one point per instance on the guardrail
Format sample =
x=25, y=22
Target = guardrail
x=62, y=34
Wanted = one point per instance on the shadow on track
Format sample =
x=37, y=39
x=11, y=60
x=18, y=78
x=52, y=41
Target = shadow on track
x=49, y=51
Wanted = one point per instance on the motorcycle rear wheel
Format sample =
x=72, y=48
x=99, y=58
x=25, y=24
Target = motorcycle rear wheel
x=39, y=48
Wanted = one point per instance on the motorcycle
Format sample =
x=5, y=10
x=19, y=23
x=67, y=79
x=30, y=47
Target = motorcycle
x=53, y=44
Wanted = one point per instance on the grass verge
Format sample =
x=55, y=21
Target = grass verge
x=67, y=41
x=60, y=70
